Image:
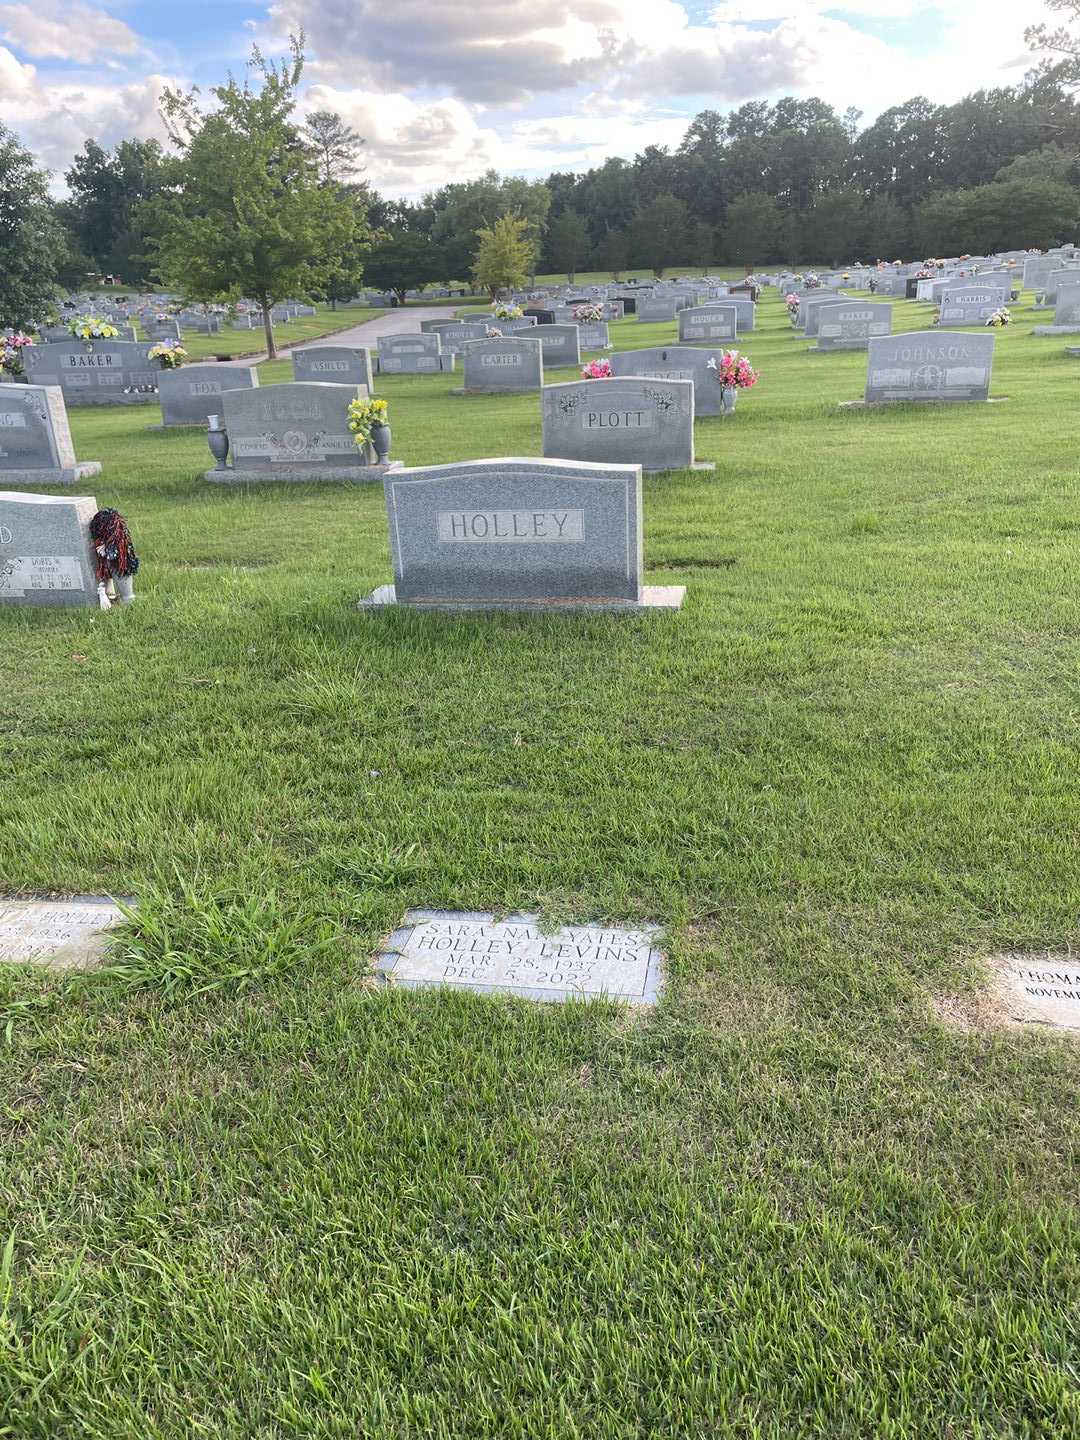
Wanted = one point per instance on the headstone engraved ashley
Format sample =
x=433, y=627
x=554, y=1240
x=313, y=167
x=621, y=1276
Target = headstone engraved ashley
x=675, y=362
x=191, y=394
x=1039, y=989
x=413, y=355
x=518, y=534
x=708, y=324
x=851, y=325
x=518, y=956
x=924, y=366
x=503, y=367
x=295, y=431
x=45, y=551
x=621, y=421
x=35, y=439
x=65, y=934
x=110, y=372
x=337, y=364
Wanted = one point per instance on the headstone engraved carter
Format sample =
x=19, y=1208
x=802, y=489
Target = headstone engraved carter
x=518, y=534
x=517, y=956
x=64, y=934
x=45, y=549
x=924, y=366
x=337, y=364
x=35, y=439
x=503, y=367
x=621, y=421
x=190, y=395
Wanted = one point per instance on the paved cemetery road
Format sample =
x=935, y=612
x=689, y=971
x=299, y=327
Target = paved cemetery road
x=403, y=321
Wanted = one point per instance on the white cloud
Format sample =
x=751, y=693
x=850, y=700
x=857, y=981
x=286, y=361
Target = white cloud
x=57, y=30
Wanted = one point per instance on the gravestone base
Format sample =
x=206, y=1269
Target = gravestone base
x=837, y=347
x=1073, y=350
x=1056, y=330
x=68, y=475
x=494, y=390
x=297, y=474
x=653, y=597
x=885, y=404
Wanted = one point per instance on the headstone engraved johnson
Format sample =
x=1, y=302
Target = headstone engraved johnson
x=35, y=438
x=621, y=421
x=191, y=394
x=337, y=364
x=924, y=366
x=518, y=533
x=65, y=934
x=45, y=552
x=517, y=956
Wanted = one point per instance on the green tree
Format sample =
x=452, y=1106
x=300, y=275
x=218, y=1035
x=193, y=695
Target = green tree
x=701, y=244
x=247, y=212
x=831, y=229
x=461, y=209
x=504, y=254
x=567, y=243
x=659, y=234
x=884, y=230
x=106, y=190
x=403, y=260
x=612, y=253
x=32, y=245
x=335, y=146
x=751, y=229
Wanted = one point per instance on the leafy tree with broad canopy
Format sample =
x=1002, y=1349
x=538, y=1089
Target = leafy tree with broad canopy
x=247, y=212
x=502, y=261
x=32, y=246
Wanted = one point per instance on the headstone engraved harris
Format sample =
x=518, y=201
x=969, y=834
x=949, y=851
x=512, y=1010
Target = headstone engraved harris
x=35, y=438
x=925, y=366
x=517, y=956
x=518, y=534
x=45, y=551
x=622, y=421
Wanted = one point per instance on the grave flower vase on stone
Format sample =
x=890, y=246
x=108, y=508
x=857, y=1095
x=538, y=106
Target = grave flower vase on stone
x=728, y=395
x=218, y=440
x=380, y=440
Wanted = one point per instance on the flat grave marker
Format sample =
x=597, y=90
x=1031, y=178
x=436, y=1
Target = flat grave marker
x=64, y=934
x=1039, y=989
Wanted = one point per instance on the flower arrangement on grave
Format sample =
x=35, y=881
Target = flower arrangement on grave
x=508, y=312
x=366, y=416
x=732, y=370
x=792, y=302
x=11, y=348
x=492, y=334
x=588, y=313
x=999, y=318
x=923, y=274
x=162, y=317
x=596, y=370
x=92, y=327
x=169, y=357
x=811, y=281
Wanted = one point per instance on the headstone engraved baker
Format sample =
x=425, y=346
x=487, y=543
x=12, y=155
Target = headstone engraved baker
x=708, y=324
x=675, y=362
x=45, y=550
x=191, y=394
x=518, y=534
x=62, y=934
x=296, y=431
x=627, y=421
x=503, y=367
x=925, y=366
x=337, y=364
x=1039, y=989
x=35, y=438
x=852, y=324
x=108, y=372
x=413, y=355
x=518, y=956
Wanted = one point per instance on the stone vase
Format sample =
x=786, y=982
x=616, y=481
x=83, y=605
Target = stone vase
x=728, y=395
x=218, y=440
x=380, y=441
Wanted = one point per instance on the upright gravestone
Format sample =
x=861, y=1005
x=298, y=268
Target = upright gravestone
x=622, y=421
x=969, y=305
x=413, y=355
x=503, y=367
x=708, y=324
x=190, y=395
x=511, y=534
x=336, y=364
x=675, y=362
x=295, y=431
x=562, y=344
x=1066, y=312
x=107, y=372
x=852, y=324
x=35, y=438
x=652, y=310
x=455, y=335
x=45, y=551
x=924, y=366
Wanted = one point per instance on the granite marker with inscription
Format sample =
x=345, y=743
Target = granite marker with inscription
x=622, y=421
x=46, y=556
x=35, y=438
x=191, y=394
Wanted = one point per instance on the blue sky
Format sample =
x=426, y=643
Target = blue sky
x=443, y=89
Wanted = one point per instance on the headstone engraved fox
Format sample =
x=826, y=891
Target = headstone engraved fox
x=191, y=394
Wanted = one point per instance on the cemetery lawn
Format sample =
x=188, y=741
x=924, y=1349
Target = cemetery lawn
x=252, y=342
x=816, y=1193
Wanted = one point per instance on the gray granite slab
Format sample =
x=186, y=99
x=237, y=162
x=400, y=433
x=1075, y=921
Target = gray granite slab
x=624, y=420
x=970, y=305
x=301, y=425
x=503, y=367
x=35, y=438
x=62, y=934
x=419, y=354
x=337, y=364
x=107, y=372
x=926, y=366
x=852, y=324
x=190, y=395
x=708, y=324
x=562, y=344
x=1039, y=989
x=45, y=552
x=675, y=362
x=518, y=956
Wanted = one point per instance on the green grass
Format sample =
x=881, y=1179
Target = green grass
x=251, y=342
x=249, y=1196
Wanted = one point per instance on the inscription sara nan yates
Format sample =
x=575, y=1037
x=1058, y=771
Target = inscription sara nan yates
x=518, y=956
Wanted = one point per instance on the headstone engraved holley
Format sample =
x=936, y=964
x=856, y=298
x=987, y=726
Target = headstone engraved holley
x=45, y=551
x=518, y=534
x=622, y=421
x=64, y=934
x=35, y=438
x=517, y=956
